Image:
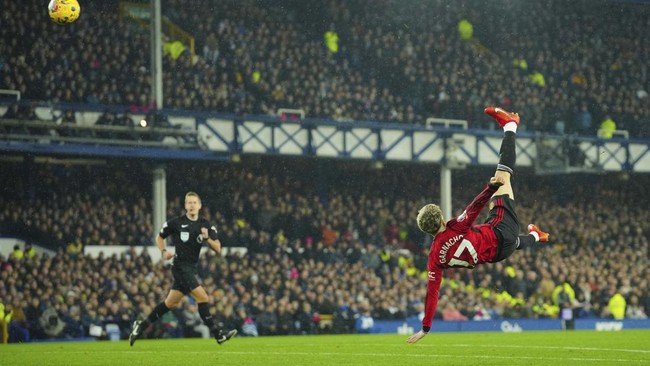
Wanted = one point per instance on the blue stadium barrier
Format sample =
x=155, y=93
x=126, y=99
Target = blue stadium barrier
x=610, y=324
x=411, y=326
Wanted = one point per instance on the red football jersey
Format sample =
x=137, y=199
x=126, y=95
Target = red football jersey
x=461, y=245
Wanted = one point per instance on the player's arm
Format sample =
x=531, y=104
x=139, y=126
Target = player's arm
x=467, y=218
x=430, y=304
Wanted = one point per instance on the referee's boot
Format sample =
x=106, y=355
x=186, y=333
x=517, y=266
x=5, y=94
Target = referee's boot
x=541, y=236
x=135, y=333
x=502, y=116
x=223, y=335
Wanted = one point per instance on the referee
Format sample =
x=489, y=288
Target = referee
x=188, y=233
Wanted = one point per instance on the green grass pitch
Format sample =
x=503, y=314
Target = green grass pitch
x=630, y=347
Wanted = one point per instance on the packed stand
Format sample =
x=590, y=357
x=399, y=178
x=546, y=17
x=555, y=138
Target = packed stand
x=390, y=61
x=321, y=241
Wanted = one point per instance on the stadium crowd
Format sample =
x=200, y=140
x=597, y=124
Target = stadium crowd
x=322, y=240
x=562, y=64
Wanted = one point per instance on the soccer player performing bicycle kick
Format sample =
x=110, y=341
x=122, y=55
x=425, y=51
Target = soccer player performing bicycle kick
x=458, y=243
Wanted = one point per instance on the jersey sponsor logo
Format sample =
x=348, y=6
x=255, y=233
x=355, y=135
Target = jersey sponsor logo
x=184, y=225
x=185, y=236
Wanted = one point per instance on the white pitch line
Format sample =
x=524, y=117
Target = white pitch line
x=553, y=347
x=438, y=356
x=568, y=348
x=360, y=354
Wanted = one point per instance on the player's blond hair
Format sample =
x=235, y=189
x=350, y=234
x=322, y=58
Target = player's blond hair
x=430, y=218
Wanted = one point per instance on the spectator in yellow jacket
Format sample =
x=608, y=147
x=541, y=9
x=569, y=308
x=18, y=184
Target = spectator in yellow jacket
x=607, y=128
x=616, y=306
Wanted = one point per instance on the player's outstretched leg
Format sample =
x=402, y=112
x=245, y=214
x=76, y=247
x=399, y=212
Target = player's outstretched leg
x=222, y=335
x=534, y=235
x=537, y=233
x=135, y=333
x=507, y=154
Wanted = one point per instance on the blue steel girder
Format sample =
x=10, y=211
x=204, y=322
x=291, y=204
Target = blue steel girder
x=218, y=135
x=417, y=154
x=361, y=141
x=383, y=152
x=290, y=137
x=484, y=139
x=596, y=160
x=414, y=143
x=327, y=140
x=227, y=133
x=473, y=159
x=612, y=153
x=632, y=161
x=526, y=149
x=523, y=147
x=255, y=136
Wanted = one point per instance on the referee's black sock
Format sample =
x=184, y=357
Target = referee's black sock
x=204, y=311
x=156, y=314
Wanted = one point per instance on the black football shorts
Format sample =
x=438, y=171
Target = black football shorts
x=503, y=218
x=185, y=277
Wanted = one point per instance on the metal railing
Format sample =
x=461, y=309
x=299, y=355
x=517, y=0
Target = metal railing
x=40, y=131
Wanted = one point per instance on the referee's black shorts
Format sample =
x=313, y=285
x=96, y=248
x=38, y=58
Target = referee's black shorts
x=185, y=277
x=503, y=218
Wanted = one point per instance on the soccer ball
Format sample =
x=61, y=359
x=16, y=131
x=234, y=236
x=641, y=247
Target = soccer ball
x=63, y=11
